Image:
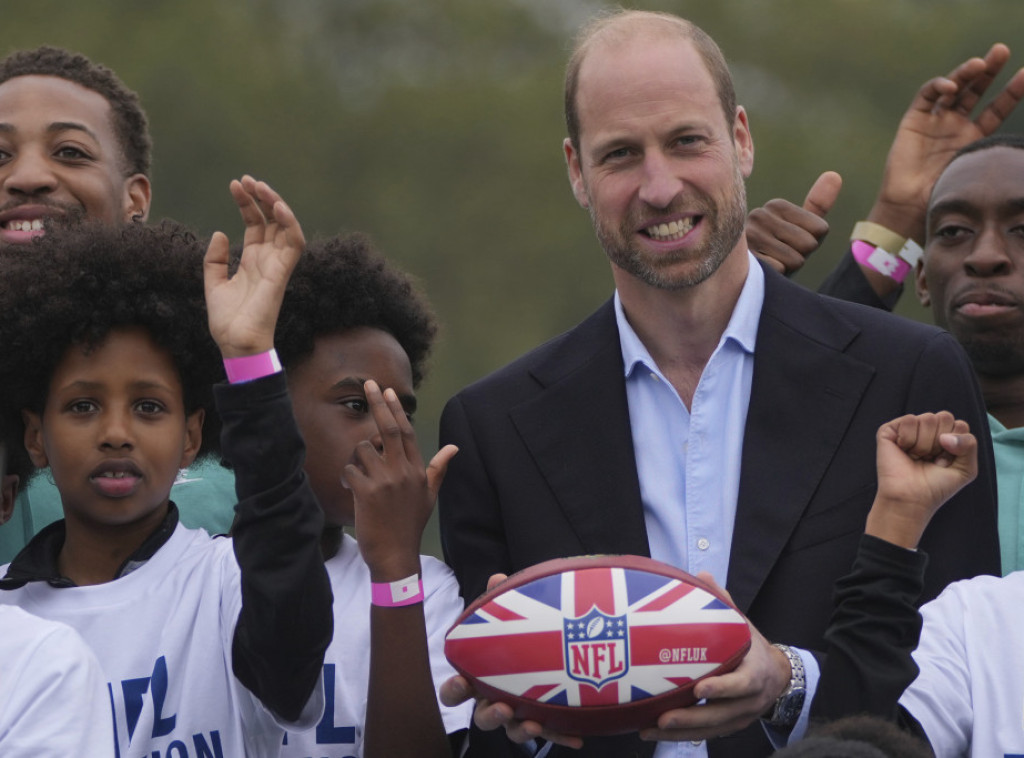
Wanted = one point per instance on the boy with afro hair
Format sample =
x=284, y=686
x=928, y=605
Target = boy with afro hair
x=210, y=646
x=354, y=336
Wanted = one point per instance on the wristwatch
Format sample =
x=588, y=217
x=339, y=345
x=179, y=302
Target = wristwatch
x=787, y=708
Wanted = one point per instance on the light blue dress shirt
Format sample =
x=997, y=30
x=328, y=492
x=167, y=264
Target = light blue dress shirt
x=688, y=461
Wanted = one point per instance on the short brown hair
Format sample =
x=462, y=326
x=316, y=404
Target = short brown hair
x=622, y=22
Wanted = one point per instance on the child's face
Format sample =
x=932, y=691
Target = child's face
x=331, y=411
x=114, y=431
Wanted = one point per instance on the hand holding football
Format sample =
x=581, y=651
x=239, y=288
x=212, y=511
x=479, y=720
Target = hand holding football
x=597, y=644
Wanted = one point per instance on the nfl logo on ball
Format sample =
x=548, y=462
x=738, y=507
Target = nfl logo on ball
x=596, y=647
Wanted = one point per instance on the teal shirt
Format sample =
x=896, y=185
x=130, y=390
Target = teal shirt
x=1008, y=446
x=204, y=494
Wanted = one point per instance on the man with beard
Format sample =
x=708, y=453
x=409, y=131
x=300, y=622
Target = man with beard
x=710, y=414
x=74, y=145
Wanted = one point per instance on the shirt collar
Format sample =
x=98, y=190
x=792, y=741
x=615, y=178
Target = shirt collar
x=37, y=561
x=741, y=329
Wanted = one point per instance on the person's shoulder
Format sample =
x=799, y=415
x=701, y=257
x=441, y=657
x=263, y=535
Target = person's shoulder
x=830, y=319
x=566, y=352
x=986, y=590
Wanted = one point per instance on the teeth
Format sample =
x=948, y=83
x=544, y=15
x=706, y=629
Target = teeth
x=114, y=474
x=670, y=231
x=23, y=225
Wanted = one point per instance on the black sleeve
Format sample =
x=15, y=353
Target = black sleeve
x=286, y=620
x=872, y=633
x=847, y=282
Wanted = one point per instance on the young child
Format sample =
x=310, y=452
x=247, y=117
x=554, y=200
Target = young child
x=354, y=337
x=211, y=647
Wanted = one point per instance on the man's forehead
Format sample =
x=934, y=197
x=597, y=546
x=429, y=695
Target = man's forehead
x=993, y=175
x=26, y=95
x=648, y=72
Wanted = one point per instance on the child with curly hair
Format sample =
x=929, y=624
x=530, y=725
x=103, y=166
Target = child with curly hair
x=211, y=646
x=354, y=336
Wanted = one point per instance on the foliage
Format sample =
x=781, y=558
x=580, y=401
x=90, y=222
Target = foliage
x=436, y=127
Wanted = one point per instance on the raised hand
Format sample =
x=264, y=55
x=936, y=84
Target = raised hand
x=783, y=234
x=937, y=124
x=394, y=494
x=242, y=310
x=922, y=462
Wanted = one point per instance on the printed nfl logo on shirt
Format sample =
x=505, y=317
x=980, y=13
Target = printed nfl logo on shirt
x=596, y=647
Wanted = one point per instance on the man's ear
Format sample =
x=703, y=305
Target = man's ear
x=138, y=193
x=572, y=162
x=193, y=437
x=8, y=493
x=921, y=285
x=743, y=141
x=34, y=442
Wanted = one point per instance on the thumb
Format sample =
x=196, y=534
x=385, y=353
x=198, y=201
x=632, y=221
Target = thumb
x=438, y=466
x=823, y=193
x=708, y=579
x=215, y=262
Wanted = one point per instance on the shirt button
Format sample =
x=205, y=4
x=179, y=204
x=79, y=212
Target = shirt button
x=703, y=543
x=696, y=743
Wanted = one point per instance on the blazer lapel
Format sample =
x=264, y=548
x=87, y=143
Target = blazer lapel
x=578, y=432
x=802, y=380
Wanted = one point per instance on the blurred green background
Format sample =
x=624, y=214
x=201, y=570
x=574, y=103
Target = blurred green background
x=436, y=127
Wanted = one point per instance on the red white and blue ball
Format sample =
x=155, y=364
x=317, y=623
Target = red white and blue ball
x=596, y=644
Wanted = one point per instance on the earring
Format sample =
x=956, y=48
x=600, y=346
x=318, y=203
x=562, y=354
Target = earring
x=136, y=218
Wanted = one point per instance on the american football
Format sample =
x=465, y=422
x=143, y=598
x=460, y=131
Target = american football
x=596, y=645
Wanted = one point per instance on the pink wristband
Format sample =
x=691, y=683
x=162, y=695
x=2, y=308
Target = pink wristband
x=878, y=259
x=393, y=594
x=250, y=367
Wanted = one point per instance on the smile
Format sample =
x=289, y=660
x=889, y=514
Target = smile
x=673, y=230
x=24, y=225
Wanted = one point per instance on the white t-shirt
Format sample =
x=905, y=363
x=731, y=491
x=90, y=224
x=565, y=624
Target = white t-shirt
x=53, y=696
x=163, y=636
x=969, y=696
x=347, y=662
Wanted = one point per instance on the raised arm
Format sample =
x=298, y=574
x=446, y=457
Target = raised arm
x=938, y=123
x=284, y=622
x=922, y=462
x=394, y=496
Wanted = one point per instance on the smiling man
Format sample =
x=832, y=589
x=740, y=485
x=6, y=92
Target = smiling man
x=75, y=145
x=710, y=414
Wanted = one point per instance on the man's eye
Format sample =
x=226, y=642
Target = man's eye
x=618, y=154
x=951, y=232
x=71, y=153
